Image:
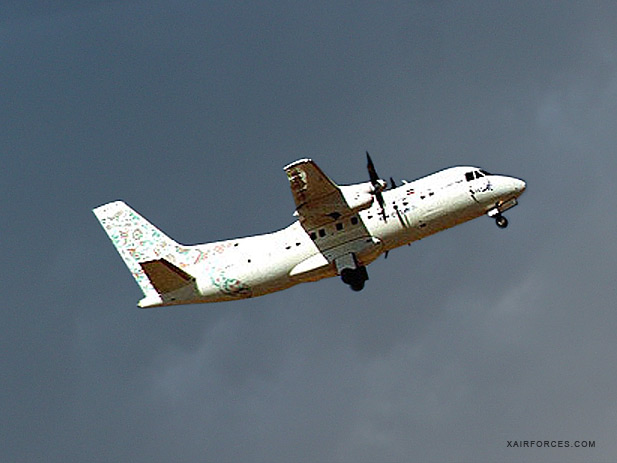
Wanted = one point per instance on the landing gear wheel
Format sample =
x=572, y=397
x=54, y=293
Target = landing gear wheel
x=357, y=286
x=348, y=276
x=501, y=221
x=355, y=277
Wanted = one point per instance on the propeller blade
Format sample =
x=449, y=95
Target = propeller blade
x=378, y=184
x=379, y=198
x=371, y=170
x=381, y=202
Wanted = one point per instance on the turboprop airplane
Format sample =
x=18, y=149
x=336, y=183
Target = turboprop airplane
x=340, y=230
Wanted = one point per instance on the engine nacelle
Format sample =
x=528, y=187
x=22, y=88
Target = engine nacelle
x=358, y=197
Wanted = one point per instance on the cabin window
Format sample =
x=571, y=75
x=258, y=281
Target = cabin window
x=354, y=220
x=322, y=232
x=339, y=226
x=479, y=174
x=469, y=176
x=313, y=236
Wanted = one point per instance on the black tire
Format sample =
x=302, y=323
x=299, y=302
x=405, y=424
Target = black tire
x=358, y=286
x=355, y=278
x=501, y=221
x=348, y=276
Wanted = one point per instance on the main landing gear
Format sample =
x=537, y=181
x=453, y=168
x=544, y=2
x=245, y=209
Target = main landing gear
x=351, y=271
x=355, y=277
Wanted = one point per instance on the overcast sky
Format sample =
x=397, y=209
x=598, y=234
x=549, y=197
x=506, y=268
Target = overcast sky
x=188, y=111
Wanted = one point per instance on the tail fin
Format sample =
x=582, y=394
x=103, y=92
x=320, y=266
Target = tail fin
x=139, y=243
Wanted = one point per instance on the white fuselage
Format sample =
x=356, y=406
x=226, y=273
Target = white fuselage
x=258, y=265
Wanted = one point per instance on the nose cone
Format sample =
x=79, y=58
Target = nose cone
x=519, y=186
x=505, y=188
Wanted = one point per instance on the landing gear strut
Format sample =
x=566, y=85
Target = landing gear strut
x=355, y=277
x=500, y=207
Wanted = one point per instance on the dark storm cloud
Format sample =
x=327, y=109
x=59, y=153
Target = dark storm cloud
x=459, y=343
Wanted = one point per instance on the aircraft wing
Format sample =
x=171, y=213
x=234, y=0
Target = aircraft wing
x=318, y=199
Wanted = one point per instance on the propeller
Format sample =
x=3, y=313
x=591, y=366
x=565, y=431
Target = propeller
x=378, y=184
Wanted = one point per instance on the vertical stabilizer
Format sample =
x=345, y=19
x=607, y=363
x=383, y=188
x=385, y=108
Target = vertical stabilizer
x=138, y=242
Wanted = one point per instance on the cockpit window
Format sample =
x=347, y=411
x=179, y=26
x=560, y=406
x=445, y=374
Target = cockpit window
x=476, y=174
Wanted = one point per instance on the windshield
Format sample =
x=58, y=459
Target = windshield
x=471, y=175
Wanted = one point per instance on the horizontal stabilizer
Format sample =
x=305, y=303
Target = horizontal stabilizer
x=165, y=276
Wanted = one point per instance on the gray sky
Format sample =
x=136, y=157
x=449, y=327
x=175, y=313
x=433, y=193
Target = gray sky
x=188, y=111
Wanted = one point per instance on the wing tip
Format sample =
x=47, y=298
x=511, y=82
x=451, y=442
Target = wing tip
x=298, y=162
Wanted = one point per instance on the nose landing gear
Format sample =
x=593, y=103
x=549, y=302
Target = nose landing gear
x=501, y=221
x=495, y=213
